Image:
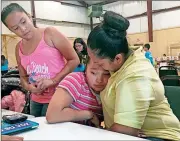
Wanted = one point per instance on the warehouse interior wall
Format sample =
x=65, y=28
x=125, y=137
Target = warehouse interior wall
x=162, y=40
x=9, y=51
x=73, y=22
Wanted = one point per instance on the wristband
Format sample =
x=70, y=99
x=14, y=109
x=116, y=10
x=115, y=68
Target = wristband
x=54, y=81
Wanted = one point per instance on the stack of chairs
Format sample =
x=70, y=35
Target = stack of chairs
x=171, y=81
x=172, y=94
x=169, y=76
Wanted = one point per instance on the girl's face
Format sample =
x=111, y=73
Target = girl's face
x=20, y=24
x=97, y=77
x=79, y=47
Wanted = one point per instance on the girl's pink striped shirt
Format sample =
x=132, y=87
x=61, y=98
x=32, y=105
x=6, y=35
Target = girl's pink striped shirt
x=75, y=83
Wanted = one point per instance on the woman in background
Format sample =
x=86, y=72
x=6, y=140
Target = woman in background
x=81, y=49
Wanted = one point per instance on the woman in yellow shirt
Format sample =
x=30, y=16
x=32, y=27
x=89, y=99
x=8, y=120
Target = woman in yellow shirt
x=134, y=96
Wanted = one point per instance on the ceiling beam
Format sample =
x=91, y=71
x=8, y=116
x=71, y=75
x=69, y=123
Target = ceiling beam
x=91, y=23
x=106, y=2
x=60, y=22
x=68, y=4
x=150, y=23
x=83, y=3
x=33, y=12
x=153, y=12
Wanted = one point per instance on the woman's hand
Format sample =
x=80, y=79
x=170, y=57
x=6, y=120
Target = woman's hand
x=11, y=138
x=141, y=134
x=94, y=121
x=43, y=83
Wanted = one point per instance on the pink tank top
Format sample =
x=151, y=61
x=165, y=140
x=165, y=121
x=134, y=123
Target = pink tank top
x=44, y=62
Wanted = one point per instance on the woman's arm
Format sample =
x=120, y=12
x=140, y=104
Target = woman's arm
x=66, y=49
x=129, y=116
x=72, y=61
x=59, y=111
x=124, y=129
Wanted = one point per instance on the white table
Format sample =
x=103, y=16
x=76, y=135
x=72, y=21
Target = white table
x=8, y=112
x=70, y=131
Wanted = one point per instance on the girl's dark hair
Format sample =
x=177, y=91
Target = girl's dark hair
x=109, y=38
x=3, y=57
x=87, y=62
x=9, y=9
x=81, y=41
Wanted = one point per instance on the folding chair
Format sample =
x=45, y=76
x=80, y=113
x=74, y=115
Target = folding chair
x=171, y=80
x=167, y=70
x=173, y=96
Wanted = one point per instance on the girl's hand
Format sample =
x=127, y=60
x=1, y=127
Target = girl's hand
x=43, y=83
x=34, y=89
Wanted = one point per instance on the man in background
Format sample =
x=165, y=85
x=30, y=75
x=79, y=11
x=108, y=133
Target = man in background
x=148, y=54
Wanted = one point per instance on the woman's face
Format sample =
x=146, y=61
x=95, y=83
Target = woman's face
x=79, y=47
x=106, y=64
x=97, y=77
x=20, y=24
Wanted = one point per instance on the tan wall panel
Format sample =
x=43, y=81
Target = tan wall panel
x=161, y=41
x=11, y=44
x=10, y=48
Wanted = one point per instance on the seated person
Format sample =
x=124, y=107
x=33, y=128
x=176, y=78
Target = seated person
x=4, y=65
x=80, y=67
x=77, y=97
x=81, y=49
x=164, y=55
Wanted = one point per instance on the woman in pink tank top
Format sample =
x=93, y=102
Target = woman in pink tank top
x=40, y=57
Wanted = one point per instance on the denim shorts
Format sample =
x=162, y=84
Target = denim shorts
x=38, y=109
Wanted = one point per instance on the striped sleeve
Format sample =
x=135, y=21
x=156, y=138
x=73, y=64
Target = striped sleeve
x=72, y=84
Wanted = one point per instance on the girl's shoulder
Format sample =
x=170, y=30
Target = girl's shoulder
x=76, y=78
x=79, y=76
x=49, y=34
x=48, y=30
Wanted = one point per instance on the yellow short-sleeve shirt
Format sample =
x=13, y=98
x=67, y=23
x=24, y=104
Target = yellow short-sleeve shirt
x=134, y=97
